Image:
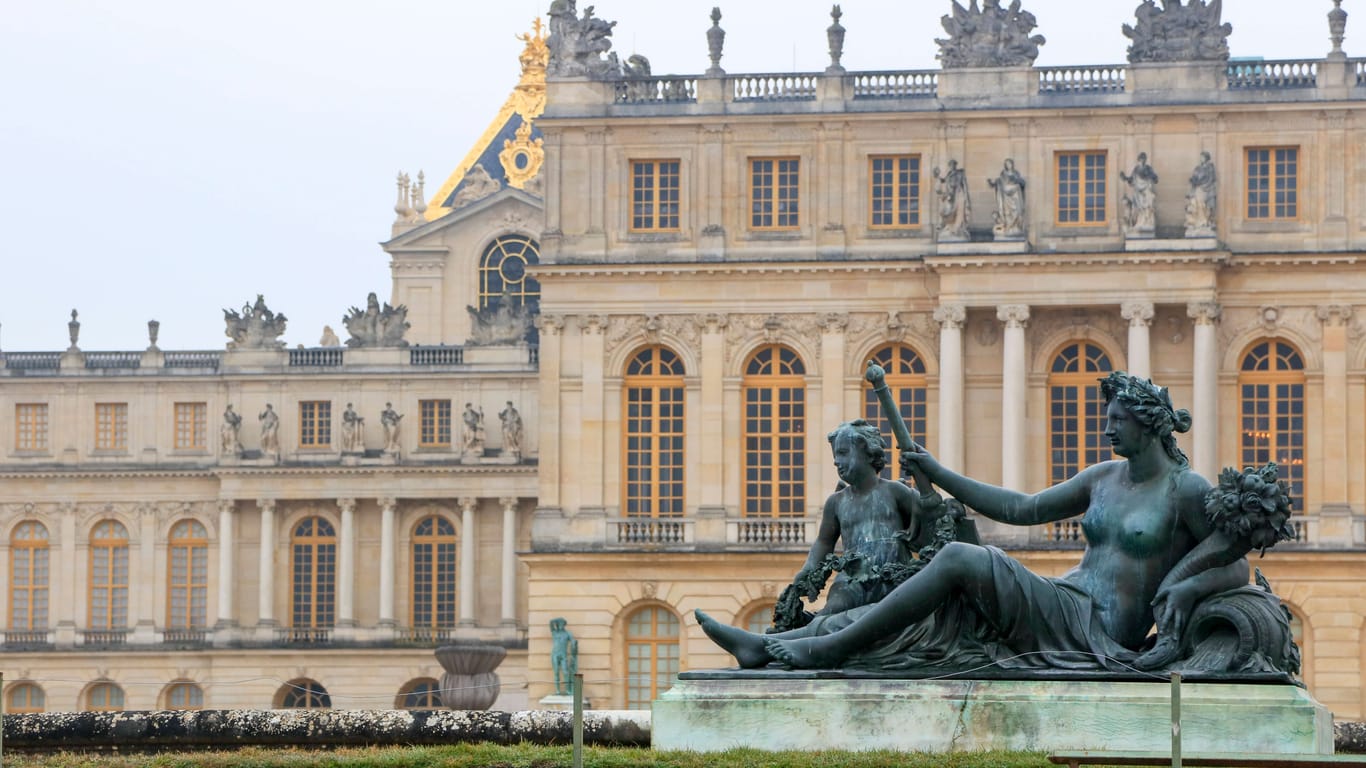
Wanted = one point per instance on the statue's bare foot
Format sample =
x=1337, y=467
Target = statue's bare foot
x=801, y=653
x=746, y=647
x=1160, y=655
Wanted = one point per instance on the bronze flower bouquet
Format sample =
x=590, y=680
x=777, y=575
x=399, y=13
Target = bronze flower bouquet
x=1251, y=507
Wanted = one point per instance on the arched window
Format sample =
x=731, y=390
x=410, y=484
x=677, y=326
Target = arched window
x=28, y=576
x=503, y=269
x=758, y=618
x=774, y=393
x=906, y=381
x=1076, y=410
x=313, y=568
x=109, y=576
x=652, y=398
x=1271, y=404
x=434, y=559
x=651, y=655
x=302, y=694
x=422, y=693
x=104, y=697
x=24, y=698
x=183, y=695
x=188, y=576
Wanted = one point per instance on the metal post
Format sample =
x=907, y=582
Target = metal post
x=1176, y=720
x=578, y=720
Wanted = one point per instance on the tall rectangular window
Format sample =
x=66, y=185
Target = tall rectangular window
x=434, y=423
x=111, y=426
x=774, y=192
x=191, y=426
x=1273, y=183
x=654, y=195
x=30, y=426
x=315, y=423
x=1081, y=188
x=894, y=191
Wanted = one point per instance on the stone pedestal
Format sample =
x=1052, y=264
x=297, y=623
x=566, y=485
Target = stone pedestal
x=706, y=712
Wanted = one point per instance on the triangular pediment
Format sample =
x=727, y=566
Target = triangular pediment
x=509, y=209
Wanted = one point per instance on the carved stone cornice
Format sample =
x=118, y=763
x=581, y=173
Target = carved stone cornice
x=1334, y=315
x=1013, y=315
x=1138, y=313
x=951, y=315
x=622, y=328
x=1204, y=312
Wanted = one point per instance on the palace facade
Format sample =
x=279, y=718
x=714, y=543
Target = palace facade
x=710, y=262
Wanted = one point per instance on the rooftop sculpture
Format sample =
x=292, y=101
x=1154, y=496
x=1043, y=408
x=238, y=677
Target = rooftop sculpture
x=376, y=326
x=989, y=36
x=579, y=46
x=501, y=322
x=256, y=327
x=1177, y=32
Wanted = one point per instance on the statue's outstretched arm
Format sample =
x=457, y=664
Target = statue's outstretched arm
x=1067, y=499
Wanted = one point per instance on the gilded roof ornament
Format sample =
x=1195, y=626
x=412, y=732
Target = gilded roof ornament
x=522, y=158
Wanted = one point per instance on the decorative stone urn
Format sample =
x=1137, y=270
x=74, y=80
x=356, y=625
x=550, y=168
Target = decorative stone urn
x=469, y=681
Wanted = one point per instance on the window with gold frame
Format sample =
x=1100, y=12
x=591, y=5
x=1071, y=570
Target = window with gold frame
x=434, y=423
x=909, y=387
x=503, y=268
x=654, y=195
x=775, y=193
x=25, y=698
x=1273, y=183
x=104, y=697
x=303, y=693
x=111, y=426
x=191, y=426
x=108, y=579
x=774, y=436
x=1076, y=410
x=30, y=426
x=1271, y=415
x=1082, y=188
x=313, y=574
x=187, y=578
x=183, y=696
x=652, y=654
x=894, y=191
x=435, y=548
x=421, y=693
x=29, y=576
x=315, y=423
x=653, y=434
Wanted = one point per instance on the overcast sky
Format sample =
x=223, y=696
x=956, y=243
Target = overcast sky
x=169, y=158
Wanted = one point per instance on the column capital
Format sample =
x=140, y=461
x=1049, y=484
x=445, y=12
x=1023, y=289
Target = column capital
x=509, y=502
x=266, y=505
x=951, y=315
x=467, y=503
x=713, y=322
x=226, y=506
x=1334, y=315
x=593, y=325
x=346, y=504
x=834, y=322
x=1204, y=312
x=1013, y=315
x=387, y=503
x=550, y=325
x=1138, y=312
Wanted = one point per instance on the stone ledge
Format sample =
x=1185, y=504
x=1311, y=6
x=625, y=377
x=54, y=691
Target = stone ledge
x=225, y=728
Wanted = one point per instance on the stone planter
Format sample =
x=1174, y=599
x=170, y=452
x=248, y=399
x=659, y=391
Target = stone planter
x=469, y=681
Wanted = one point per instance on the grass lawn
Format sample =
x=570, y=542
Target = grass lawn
x=527, y=756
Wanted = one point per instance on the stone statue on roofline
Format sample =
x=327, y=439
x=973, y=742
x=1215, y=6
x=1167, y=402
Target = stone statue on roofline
x=256, y=327
x=1165, y=551
x=502, y=322
x=989, y=36
x=579, y=46
x=376, y=326
x=1203, y=199
x=1178, y=32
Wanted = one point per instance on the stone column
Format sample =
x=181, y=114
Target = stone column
x=227, y=574
x=265, y=583
x=1335, y=432
x=951, y=319
x=346, y=564
x=1205, y=404
x=1013, y=385
x=467, y=506
x=387, y=507
x=509, y=561
x=64, y=578
x=1140, y=317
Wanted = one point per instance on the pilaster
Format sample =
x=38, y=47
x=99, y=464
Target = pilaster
x=265, y=584
x=951, y=319
x=1205, y=385
x=467, y=506
x=509, y=562
x=1139, y=313
x=1013, y=391
x=387, y=507
x=346, y=566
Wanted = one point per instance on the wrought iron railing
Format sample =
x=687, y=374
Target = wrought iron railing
x=1289, y=73
x=1086, y=79
x=319, y=357
x=793, y=87
x=895, y=85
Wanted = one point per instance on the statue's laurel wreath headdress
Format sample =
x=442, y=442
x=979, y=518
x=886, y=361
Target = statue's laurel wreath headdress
x=1149, y=403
